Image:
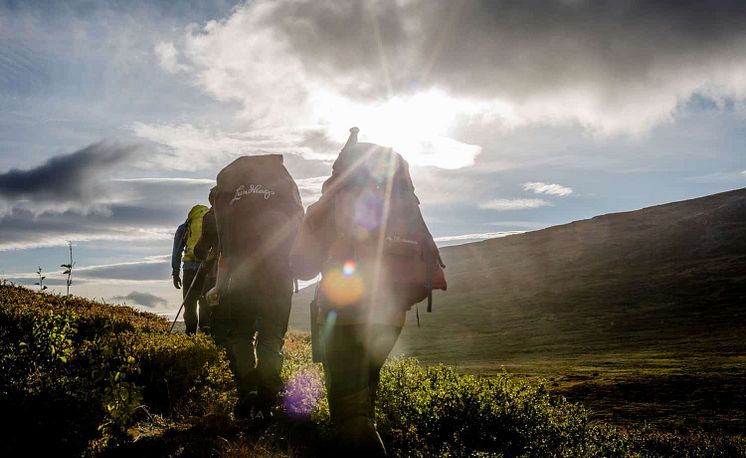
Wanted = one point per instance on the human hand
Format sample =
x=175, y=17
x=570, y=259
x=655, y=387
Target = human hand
x=212, y=297
x=177, y=281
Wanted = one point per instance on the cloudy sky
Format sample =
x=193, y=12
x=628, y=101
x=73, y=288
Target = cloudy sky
x=115, y=117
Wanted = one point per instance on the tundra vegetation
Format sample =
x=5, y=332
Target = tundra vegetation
x=82, y=377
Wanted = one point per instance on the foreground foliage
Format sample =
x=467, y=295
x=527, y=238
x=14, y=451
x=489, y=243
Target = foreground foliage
x=79, y=373
x=96, y=379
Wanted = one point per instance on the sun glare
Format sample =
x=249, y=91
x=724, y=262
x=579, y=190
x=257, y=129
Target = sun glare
x=416, y=126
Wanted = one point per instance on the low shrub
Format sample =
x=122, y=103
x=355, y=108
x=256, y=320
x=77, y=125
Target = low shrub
x=435, y=411
x=648, y=443
x=79, y=377
x=81, y=373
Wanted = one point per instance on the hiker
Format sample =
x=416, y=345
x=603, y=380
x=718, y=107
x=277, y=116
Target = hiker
x=186, y=237
x=206, y=251
x=258, y=212
x=367, y=238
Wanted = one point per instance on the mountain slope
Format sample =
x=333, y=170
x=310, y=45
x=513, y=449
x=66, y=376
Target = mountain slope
x=670, y=277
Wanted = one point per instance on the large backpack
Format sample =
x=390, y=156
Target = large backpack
x=193, y=231
x=377, y=222
x=258, y=211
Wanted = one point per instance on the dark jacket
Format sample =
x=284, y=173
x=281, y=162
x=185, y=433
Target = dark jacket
x=178, y=249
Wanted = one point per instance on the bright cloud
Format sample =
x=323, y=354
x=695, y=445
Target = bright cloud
x=187, y=148
x=310, y=188
x=147, y=260
x=482, y=236
x=298, y=65
x=279, y=98
x=567, y=62
x=130, y=270
x=167, y=180
x=718, y=177
x=122, y=234
x=399, y=74
x=168, y=56
x=243, y=58
x=416, y=125
x=531, y=225
x=547, y=188
x=513, y=204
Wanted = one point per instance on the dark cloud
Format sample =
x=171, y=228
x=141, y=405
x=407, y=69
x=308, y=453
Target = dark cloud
x=21, y=228
x=30, y=282
x=153, y=210
x=73, y=177
x=129, y=271
x=319, y=141
x=141, y=298
x=164, y=194
x=303, y=168
x=499, y=47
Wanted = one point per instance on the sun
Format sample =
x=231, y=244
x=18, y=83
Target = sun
x=417, y=126
x=396, y=121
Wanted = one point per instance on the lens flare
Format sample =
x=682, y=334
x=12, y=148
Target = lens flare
x=381, y=167
x=302, y=393
x=369, y=211
x=348, y=268
x=329, y=322
x=362, y=234
x=341, y=288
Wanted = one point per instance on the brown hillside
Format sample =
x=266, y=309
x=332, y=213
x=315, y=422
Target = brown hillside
x=670, y=278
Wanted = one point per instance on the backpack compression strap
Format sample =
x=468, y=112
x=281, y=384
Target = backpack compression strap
x=429, y=284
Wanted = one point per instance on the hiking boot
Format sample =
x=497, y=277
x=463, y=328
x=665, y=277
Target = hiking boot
x=246, y=408
x=358, y=437
x=265, y=410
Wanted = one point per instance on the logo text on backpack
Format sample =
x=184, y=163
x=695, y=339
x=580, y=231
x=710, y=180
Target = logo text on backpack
x=244, y=190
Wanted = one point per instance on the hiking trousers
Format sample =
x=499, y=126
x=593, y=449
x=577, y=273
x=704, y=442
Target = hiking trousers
x=251, y=328
x=191, y=318
x=353, y=357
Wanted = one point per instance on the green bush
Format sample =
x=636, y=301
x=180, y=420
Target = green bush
x=650, y=443
x=434, y=411
x=82, y=373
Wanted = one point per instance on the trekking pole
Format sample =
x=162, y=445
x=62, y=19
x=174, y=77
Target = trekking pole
x=186, y=296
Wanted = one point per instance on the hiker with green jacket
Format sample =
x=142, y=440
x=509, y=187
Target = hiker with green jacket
x=185, y=239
